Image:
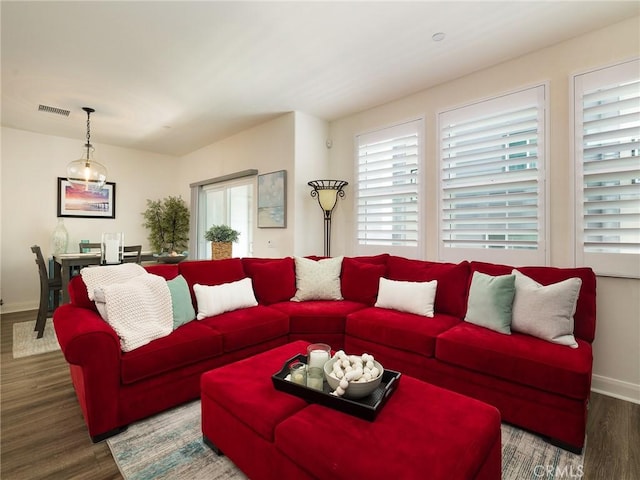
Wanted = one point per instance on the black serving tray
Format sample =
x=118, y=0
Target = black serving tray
x=366, y=408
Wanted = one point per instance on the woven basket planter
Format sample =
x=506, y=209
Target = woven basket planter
x=220, y=250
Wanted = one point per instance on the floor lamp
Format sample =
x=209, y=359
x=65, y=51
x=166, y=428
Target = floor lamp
x=327, y=193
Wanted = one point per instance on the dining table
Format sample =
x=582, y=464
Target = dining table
x=66, y=263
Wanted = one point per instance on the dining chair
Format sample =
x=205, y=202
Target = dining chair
x=132, y=258
x=47, y=285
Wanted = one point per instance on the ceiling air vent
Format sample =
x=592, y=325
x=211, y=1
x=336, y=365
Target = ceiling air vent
x=54, y=110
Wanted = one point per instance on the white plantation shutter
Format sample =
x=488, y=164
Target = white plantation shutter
x=607, y=133
x=492, y=180
x=388, y=207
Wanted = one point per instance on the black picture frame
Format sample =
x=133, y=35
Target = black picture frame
x=80, y=203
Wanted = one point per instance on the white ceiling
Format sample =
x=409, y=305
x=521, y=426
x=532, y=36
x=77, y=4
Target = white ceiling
x=172, y=77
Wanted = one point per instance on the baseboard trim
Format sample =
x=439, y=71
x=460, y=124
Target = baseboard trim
x=611, y=387
x=19, y=307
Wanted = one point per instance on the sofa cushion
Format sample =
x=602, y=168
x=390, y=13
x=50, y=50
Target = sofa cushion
x=401, y=330
x=78, y=294
x=547, y=311
x=263, y=272
x=585, y=316
x=211, y=272
x=317, y=279
x=411, y=297
x=428, y=432
x=226, y=297
x=490, y=301
x=453, y=281
x=245, y=390
x=371, y=259
x=360, y=279
x=318, y=316
x=248, y=326
x=188, y=344
x=519, y=358
x=167, y=271
x=181, y=305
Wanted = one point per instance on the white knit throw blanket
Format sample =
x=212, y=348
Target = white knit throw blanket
x=98, y=277
x=138, y=309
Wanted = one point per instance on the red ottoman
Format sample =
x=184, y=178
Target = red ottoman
x=422, y=432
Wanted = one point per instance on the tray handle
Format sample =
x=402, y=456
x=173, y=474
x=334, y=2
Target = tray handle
x=391, y=386
x=296, y=358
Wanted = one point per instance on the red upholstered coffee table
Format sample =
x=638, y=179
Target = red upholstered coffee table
x=422, y=432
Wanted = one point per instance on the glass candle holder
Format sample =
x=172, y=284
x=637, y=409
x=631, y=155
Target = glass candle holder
x=318, y=354
x=298, y=372
x=315, y=378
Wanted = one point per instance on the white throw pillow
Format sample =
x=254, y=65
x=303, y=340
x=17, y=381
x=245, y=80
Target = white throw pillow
x=547, y=311
x=412, y=297
x=318, y=280
x=216, y=299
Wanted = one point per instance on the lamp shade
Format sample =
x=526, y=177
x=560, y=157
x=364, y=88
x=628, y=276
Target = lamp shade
x=327, y=192
x=327, y=199
x=86, y=173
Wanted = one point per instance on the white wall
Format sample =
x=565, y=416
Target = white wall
x=31, y=164
x=311, y=163
x=267, y=147
x=295, y=142
x=617, y=345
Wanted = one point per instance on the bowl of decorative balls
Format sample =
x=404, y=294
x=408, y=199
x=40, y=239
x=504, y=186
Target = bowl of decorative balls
x=353, y=376
x=172, y=257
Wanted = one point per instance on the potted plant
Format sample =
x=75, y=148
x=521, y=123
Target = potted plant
x=221, y=237
x=168, y=224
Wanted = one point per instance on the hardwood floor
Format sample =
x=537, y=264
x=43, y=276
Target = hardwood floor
x=43, y=435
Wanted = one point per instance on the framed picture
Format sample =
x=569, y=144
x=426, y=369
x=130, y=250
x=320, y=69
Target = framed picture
x=272, y=200
x=77, y=202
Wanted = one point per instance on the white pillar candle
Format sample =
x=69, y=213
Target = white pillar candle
x=298, y=377
x=111, y=251
x=315, y=383
x=317, y=358
x=298, y=373
x=315, y=378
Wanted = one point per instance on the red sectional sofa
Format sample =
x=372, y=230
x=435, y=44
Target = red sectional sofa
x=537, y=385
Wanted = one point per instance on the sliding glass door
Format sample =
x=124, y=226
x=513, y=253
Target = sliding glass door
x=229, y=203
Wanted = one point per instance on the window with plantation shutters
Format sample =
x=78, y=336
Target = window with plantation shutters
x=607, y=149
x=388, y=203
x=492, y=196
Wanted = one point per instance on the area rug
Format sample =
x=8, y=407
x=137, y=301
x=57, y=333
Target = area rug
x=26, y=344
x=169, y=446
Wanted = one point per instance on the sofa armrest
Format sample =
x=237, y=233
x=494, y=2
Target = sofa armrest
x=83, y=335
x=92, y=349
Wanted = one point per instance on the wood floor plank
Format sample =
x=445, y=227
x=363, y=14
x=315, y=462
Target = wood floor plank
x=43, y=435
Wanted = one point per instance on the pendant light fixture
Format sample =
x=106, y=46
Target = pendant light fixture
x=85, y=173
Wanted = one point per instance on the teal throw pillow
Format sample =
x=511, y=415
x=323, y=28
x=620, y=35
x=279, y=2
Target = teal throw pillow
x=491, y=301
x=183, y=311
